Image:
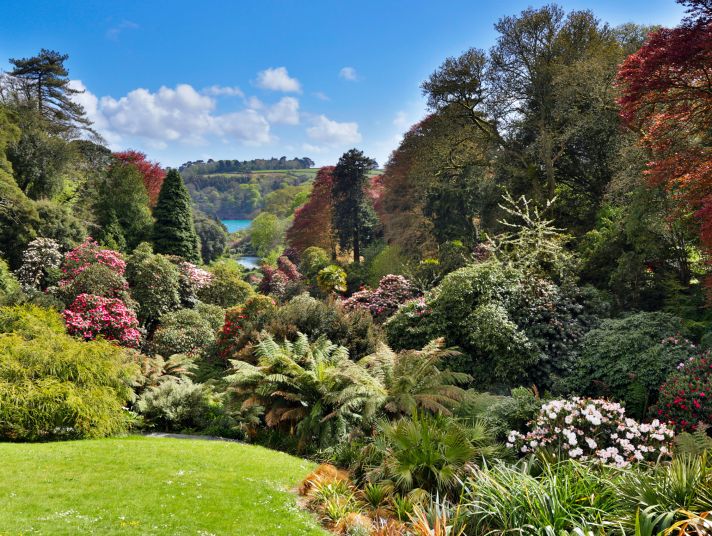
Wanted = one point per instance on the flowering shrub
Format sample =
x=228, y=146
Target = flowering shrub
x=684, y=398
x=86, y=254
x=90, y=316
x=242, y=323
x=197, y=276
x=593, y=429
x=277, y=281
x=383, y=301
x=41, y=257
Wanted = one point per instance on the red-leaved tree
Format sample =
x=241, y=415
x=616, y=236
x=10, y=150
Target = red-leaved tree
x=151, y=172
x=312, y=221
x=666, y=95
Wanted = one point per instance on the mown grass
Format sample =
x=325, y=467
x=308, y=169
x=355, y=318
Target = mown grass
x=144, y=486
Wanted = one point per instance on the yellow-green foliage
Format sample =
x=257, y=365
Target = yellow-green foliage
x=55, y=386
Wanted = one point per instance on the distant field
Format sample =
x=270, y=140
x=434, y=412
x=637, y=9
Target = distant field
x=154, y=486
x=291, y=172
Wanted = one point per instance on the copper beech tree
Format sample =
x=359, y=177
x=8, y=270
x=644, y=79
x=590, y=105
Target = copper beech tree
x=666, y=95
x=312, y=221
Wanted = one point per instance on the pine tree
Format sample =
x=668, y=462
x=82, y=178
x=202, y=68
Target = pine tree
x=354, y=219
x=174, y=230
x=44, y=81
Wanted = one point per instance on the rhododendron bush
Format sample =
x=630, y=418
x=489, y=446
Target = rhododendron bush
x=40, y=258
x=383, y=301
x=684, y=399
x=86, y=254
x=593, y=430
x=90, y=316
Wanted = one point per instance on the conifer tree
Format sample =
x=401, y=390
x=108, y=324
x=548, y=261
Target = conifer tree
x=174, y=230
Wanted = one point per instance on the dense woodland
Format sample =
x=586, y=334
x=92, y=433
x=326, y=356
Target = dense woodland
x=506, y=330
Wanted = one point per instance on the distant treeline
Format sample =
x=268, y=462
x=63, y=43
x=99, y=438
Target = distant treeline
x=239, y=196
x=200, y=167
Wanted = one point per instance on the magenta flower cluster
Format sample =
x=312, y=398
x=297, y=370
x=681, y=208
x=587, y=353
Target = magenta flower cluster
x=384, y=300
x=86, y=254
x=90, y=316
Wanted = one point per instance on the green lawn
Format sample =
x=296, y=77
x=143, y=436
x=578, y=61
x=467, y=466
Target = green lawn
x=139, y=485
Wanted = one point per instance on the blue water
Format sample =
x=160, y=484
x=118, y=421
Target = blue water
x=249, y=262
x=236, y=225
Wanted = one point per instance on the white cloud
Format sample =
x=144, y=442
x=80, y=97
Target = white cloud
x=278, y=79
x=114, y=32
x=170, y=115
x=255, y=103
x=226, y=91
x=348, y=73
x=247, y=125
x=325, y=130
x=401, y=120
x=286, y=111
x=321, y=96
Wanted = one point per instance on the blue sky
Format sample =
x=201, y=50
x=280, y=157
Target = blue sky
x=246, y=79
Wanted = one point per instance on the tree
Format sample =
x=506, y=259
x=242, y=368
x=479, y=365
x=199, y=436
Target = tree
x=38, y=158
x=667, y=98
x=353, y=216
x=265, y=232
x=212, y=234
x=44, y=81
x=120, y=198
x=18, y=215
x=312, y=225
x=153, y=175
x=174, y=231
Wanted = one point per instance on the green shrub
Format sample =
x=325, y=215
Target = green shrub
x=511, y=329
x=53, y=386
x=355, y=330
x=154, y=282
x=9, y=286
x=30, y=320
x=226, y=289
x=242, y=326
x=502, y=413
x=99, y=280
x=626, y=359
x=331, y=279
x=314, y=259
x=178, y=405
x=214, y=315
x=182, y=332
x=388, y=260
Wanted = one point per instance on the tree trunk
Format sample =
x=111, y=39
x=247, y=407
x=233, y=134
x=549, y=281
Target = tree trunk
x=357, y=249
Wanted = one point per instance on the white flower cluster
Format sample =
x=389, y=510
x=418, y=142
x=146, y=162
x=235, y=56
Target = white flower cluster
x=41, y=255
x=198, y=277
x=595, y=430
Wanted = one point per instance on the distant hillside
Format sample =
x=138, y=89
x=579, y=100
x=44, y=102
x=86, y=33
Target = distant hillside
x=212, y=167
x=243, y=195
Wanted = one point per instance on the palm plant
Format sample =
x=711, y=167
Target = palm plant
x=413, y=380
x=309, y=389
x=426, y=452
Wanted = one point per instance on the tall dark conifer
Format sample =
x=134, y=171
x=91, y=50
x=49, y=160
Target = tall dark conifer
x=174, y=230
x=353, y=215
